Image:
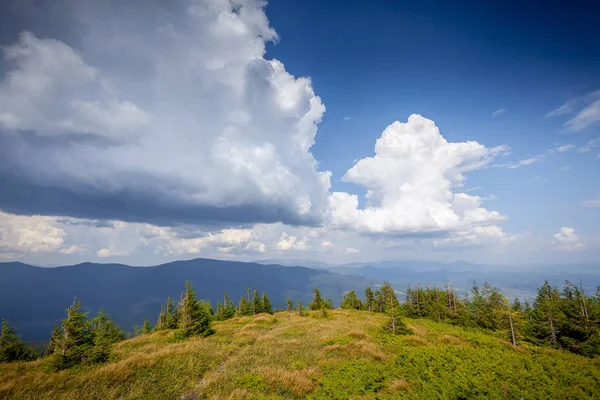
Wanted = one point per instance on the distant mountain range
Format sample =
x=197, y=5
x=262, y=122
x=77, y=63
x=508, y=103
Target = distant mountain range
x=515, y=280
x=34, y=298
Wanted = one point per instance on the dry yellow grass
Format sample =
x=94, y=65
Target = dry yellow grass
x=297, y=382
x=399, y=385
x=415, y=341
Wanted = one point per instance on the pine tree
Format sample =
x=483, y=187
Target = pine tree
x=55, y=339
x=12, y=348
x=76, y=339
x=104, y=334
x=161, y=323
x=167, y=319
x=318, y=302
x=512, y=321
x=107, y=331
x=290, y=305
x=266, y=304
x=257, y=305
x=391, y=306
x=219, y=313
x=351, y=301
x=146, y=328
x=228, y=307
x=194, y=316
x=244, y=307
x=547, y=316
x=516, y=305
x=378, y=301
x=301, y=309
x=369, y=299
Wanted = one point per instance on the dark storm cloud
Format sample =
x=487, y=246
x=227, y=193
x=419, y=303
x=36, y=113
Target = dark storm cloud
x=153, y=111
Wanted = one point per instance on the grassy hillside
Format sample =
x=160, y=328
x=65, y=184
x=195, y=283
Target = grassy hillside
x=345, y=356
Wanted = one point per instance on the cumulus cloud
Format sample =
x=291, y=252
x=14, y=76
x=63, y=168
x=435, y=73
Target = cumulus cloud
x=162, y=130
x=412, y=184
x=584, y=111
x=163, y=120
x=567, y=240
x=29, y=234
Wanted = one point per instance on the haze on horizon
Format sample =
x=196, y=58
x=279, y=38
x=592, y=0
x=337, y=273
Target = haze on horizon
x=143, y=132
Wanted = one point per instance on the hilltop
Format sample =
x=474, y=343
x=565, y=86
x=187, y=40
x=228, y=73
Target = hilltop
x=346, y=355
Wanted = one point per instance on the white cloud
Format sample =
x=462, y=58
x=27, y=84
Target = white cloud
x=346, y=118
x=591, y=203
x=411, y=183
x=29, y=234
x=74, y=249
x=286, y=242
x=352, y=250
x=567, y=240
x=589, y=146
x=203, y=121
x=475, y=236
x=326, y=244
x=585, y=111
x=536, y=158
x=498, y=112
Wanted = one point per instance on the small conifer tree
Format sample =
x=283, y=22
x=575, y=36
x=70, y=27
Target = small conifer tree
x=244, y=307
x=391, y=306
x=194, y=316
x=317, y=302
x=12, y=348
x=76, y=339
x=55, y=339
x=351, y=301
x=290, y=305
x=228, y=307
x=257, y=304
x=301, y=309
x=266, y=304
x=369, y=299
x=105, y=333
x=147, y=327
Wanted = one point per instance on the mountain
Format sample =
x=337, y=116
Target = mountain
x=295, y=263
x=515, y=280
x=34, y=298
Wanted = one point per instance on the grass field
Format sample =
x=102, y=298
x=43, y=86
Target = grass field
x=285, y=356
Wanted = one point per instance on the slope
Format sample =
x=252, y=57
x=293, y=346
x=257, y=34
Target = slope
x=346, y=355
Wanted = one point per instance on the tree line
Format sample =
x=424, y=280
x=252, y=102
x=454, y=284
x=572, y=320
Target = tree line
x=567, y=318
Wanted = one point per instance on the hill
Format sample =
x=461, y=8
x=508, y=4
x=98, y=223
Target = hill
x=346, y=355
x=35, y=298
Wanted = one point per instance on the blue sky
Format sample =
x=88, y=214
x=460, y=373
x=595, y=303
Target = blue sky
x=142, y=133
x=376, y=62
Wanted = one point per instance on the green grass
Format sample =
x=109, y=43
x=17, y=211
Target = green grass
x=346, y=356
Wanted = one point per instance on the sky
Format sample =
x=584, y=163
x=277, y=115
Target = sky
x=143, y=132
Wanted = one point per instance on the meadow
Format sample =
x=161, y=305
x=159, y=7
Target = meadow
x=342, y=355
